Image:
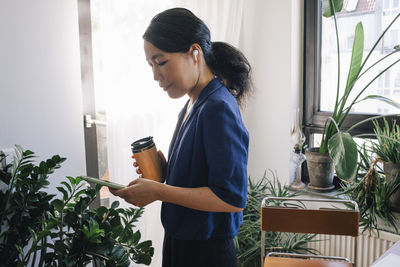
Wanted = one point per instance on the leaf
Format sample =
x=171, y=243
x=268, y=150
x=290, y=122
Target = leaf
x=100, y=211
x=57, y=204
x=326, y=9
x=71, y=180
x=136, y=237
x=57, y=159
x=383, y=99
x=117, y=252
x=114, y=205
x=63, y=191
x=67, y=186
x=356, y=56
x=93, y=233
x=43, y=234
x=70, y=261
x=343, y=152
x=33, y=234
x=71, y=218
x=78, y=179
x=144, y=245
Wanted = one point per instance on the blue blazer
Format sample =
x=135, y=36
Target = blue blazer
x=209, y=149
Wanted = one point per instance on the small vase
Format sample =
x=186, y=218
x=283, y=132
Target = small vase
x=320, y=170
x=296, y=159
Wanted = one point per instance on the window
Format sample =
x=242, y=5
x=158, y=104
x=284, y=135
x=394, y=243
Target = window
x=397, y=81
x=390, y=7
x=349, y=44
x=320, y=61
x=387, y=79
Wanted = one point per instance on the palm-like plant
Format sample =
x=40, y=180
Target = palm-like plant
x=340, y=145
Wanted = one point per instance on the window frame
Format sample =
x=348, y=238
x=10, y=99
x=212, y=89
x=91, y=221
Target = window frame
x=313, y=118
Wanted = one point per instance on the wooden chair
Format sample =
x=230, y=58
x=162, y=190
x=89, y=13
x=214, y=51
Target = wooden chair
x=289, y=218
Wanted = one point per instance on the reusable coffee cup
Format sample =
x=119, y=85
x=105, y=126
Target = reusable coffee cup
x=146, y=156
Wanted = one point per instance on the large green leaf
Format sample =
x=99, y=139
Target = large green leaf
x=327, y=11
x=343, y=151
x=356, y=56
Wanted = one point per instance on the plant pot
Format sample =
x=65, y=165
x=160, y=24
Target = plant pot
x=320, y=170
x=392, y=171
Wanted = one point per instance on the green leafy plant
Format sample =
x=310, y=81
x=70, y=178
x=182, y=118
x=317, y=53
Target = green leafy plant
x=340, y=145
x=248, y=240
x=37, y=228
x=371, y=192
x=387, y=147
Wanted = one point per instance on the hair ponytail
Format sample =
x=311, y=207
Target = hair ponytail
x=232, y=67
x=176, y=29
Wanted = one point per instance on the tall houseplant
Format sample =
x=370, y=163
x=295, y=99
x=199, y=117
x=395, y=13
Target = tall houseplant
x=38, y=229
x=337, y=145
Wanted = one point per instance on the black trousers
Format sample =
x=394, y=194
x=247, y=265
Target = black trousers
x=198, y=253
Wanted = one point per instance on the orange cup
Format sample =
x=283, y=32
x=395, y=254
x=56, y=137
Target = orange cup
x=146, y=156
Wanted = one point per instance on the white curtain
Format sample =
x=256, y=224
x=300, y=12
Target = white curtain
x=135, y=106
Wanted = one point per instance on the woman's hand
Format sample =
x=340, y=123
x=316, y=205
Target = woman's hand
x=140, y=192
x=163, y=162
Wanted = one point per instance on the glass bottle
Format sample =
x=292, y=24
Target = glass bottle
x=296, y=156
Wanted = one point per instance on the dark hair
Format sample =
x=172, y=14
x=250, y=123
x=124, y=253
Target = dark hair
x=176, y=29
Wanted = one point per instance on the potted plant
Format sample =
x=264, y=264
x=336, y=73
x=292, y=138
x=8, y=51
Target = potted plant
x=337, y=148
x=39, y=229
x=387, y=148
x=372, y=191
x=248, y=240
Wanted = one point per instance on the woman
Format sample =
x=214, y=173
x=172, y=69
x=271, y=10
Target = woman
x=206, y=179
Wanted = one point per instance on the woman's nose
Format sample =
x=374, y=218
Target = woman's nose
x=157, y=75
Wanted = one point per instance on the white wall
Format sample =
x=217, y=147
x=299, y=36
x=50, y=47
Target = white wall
x=40, y=84
x=40, y=91
x=272, y=40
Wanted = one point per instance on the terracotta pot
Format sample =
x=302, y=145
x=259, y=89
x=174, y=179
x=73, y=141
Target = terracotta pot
x=320, y=170
x=392, y=171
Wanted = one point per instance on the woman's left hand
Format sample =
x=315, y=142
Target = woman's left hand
x=139, y=192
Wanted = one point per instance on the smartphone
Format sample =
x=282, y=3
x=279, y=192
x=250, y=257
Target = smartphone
x=102, y=182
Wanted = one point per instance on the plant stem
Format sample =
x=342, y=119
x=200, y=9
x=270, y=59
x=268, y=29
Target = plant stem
x=338, y=54
x=362, y=65
x=338, y=114
x=334, y=122
x=383, y=58
x=43, y=251
x=377, y=41
x=370, y=119
x=362, y=91
x=97, y=255
x=370, y=67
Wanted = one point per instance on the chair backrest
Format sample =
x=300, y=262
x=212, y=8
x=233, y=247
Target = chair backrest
x=295, y=219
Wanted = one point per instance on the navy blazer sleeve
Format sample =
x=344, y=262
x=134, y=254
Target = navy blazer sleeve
x=225, y=142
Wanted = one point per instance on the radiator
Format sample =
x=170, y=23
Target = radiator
x=369, y=246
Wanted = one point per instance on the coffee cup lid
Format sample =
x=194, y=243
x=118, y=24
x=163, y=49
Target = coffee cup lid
x=142, y=144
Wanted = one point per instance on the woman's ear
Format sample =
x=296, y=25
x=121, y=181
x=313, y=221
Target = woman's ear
x=195, y=51
x=195, y=54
